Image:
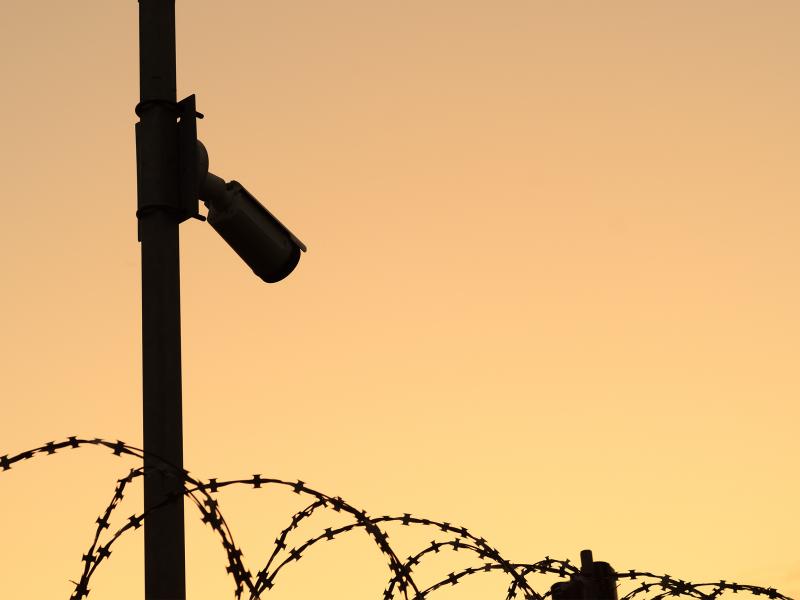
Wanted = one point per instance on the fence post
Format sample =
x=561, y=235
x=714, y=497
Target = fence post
x=595, y=581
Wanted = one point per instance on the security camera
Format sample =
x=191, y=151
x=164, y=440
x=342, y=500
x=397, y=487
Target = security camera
x=254, y=233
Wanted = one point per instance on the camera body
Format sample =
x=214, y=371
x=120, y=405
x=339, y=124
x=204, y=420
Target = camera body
x=254, y=233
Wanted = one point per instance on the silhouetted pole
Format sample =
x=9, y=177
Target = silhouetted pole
x=157, y=158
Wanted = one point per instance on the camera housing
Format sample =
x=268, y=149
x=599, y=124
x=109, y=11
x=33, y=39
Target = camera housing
x=254, y=233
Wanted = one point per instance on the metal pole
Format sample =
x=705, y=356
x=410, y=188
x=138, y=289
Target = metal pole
x=157, y=158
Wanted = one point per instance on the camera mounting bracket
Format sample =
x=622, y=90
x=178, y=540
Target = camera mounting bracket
x=184, y=203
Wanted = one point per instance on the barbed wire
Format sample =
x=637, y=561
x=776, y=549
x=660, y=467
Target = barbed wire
x=670, y=586
x=457, y=539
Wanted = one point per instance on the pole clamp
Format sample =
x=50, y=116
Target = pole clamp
x=185, y=203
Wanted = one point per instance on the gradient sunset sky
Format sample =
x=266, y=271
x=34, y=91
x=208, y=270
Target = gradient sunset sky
x=551, y=291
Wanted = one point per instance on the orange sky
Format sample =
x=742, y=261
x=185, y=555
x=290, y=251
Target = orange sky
x=551, y=290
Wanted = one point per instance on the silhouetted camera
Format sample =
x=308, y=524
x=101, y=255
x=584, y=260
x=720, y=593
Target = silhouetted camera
x=261, y=240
